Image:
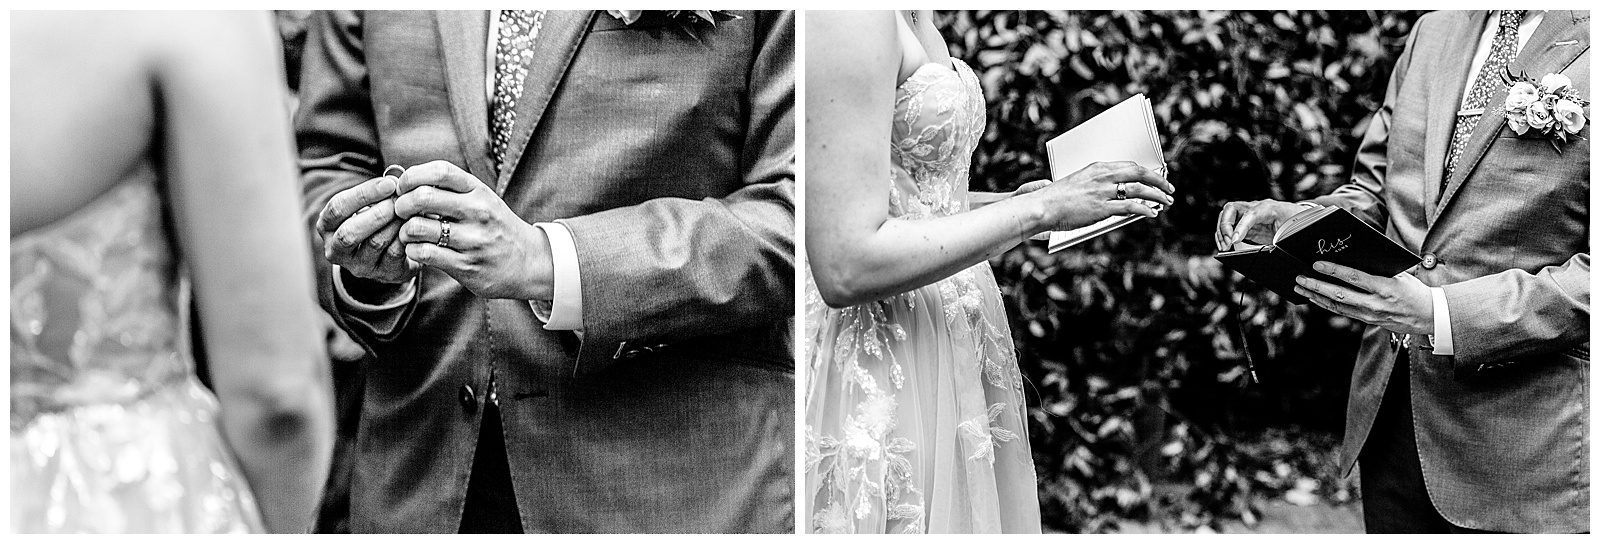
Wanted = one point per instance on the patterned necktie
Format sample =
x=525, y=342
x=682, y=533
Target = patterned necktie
x=1501, y=54
x=512, y=51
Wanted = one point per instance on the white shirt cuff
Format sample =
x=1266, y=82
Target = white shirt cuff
x=1443, y=340
x=399, y=299
x=564, y=312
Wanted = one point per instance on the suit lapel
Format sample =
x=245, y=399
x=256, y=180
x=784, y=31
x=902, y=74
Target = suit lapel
x=463, y=36
x=557, y=42
x=1539, y=57
x=1444, y=99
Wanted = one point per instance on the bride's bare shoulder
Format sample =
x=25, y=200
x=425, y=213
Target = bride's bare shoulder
x=84, y=97
x=81, y=112
x=850, y=48
x=850, y=29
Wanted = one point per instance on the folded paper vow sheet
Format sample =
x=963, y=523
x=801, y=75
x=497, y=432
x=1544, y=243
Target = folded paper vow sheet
x=1126, y=132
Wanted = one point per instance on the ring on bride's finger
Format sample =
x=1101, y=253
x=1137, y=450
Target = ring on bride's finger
x=1339, y=296
x=1122, y=191
x=444, y=234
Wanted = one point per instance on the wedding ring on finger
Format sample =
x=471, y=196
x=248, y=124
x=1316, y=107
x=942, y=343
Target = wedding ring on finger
x=1122, y=191
x=1339, y=296
x=444, y=234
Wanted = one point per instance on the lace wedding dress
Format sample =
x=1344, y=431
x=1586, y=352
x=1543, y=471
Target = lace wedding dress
x=915, y=409
x=111, y=432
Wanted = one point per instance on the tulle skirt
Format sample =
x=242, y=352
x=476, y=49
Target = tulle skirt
x=157, y=464
x=915, y=414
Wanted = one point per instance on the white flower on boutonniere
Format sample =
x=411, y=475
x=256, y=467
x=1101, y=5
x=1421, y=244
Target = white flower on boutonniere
x=627, y=16
x=687, y=20
x=1548, y=107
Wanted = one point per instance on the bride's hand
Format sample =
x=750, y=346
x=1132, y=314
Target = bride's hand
x=979, y=199
x=1030, y=187
x=1091, y=194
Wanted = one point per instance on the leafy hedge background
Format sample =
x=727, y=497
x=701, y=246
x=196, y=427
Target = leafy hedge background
x=1144, y=407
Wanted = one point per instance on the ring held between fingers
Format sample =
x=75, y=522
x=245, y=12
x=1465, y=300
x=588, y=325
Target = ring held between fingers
x=441, y=174
x=349, y=202
x=434, y=202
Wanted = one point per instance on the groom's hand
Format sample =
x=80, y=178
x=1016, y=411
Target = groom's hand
x=1401, y=304
x=1256, y=220
x=490, y=250
x=360, y=232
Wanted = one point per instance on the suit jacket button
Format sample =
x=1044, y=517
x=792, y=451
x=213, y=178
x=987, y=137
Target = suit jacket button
x=1429, y=261
x=469, y=401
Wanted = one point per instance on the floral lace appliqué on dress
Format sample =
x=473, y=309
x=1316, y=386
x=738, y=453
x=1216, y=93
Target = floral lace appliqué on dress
x=914, y=413
x=111, y=432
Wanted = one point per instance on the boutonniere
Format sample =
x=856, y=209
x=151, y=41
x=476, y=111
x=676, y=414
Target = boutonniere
x=1548, y=106
x=690, y=21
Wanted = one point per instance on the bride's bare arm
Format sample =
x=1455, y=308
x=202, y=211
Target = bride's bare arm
x=857, y=253
x=979, y=199
x=236, y=206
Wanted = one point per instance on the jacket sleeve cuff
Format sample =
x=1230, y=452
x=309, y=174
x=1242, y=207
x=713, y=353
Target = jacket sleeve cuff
x=564, y=312
x=397, y=300
x=1442, y=339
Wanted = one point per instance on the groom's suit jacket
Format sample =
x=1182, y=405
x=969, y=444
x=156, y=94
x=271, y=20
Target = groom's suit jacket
x=1502, y=427
x=671, y=160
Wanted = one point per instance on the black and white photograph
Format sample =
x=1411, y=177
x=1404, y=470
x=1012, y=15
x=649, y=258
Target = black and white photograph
x=1196, y=271
x=799, y=272
x=403, y=272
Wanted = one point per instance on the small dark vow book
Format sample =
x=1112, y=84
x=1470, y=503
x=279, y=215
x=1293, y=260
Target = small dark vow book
x=1324, y=234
